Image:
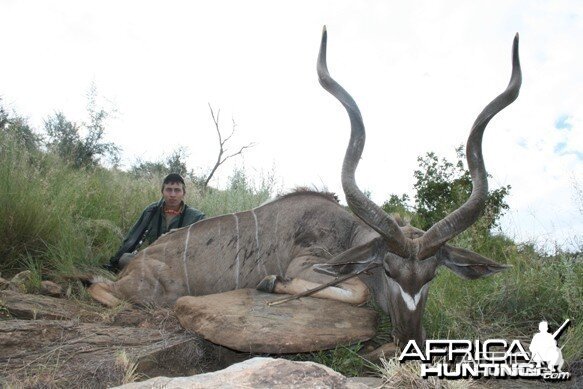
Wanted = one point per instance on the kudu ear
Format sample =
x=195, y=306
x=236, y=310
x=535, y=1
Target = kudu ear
x=466, y=263
x=354, y=260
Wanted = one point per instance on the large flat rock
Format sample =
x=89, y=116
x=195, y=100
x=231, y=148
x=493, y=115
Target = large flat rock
x=69, y=354
x=261, y=373
x=242, y=320
x=32, y=307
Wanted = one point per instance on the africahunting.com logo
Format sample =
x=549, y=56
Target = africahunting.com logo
x=491, y=358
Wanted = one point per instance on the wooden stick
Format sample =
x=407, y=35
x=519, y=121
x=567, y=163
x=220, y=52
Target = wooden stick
x=308, y=292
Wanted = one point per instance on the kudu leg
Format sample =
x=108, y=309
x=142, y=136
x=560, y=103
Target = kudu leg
x=300, y=277
x=101, y=292
x=143, y=282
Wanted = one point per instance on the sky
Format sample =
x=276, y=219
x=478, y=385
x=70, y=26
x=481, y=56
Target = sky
x=420, y=71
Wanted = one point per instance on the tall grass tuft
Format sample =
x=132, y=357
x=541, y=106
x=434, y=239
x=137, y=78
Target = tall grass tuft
x=66, y=220
x=63, y=216
x=25, y=223
x=511, y=304
x=396, y=375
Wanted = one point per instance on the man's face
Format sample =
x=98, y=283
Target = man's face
x=173, y=194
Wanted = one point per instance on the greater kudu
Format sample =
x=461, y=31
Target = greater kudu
x=281, y=243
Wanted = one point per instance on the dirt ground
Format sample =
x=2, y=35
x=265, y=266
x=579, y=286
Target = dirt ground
x=47, y=342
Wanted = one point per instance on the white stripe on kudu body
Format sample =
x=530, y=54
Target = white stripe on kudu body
x=276, y=243
x=237, y=259
x=184, y=260
x=257, y=253
x=143, y=272
x=157, y=285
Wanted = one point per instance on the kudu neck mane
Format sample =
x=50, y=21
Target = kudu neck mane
x=307, y=191
x=401, y=221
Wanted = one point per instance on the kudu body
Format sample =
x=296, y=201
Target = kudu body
x=280, y=244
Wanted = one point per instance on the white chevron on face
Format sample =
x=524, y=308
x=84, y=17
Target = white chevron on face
x=410, y=301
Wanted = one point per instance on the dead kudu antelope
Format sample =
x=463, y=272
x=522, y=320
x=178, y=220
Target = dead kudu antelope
x=279, y=244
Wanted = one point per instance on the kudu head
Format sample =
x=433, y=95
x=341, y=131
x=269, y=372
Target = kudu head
x=409, y=256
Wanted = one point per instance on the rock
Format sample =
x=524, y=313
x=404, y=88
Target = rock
x=370, y=382
x=30, y=306
x=23, y=276
x=259, y=373
x=242, y=320
x=4, y=284
x=66, y=353
x=21, y=281
x=49, y=288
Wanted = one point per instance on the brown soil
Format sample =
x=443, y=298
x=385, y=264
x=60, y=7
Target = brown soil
x=47, y=342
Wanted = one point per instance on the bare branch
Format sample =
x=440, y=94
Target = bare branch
x=232, y=131
x=240, y=152
x=216, y=121
x=222, y=148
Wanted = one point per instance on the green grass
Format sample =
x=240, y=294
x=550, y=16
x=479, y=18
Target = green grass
x=58, y=221
x=343, y=359
x=512, y=303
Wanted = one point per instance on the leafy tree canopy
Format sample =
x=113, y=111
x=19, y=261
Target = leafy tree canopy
x=17, y=128
x=175, y=162
x=441, y=187
x=65, y=137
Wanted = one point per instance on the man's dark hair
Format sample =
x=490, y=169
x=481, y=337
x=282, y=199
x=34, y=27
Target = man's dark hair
x=173, y=178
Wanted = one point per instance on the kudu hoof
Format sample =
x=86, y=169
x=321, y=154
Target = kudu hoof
x=268, y=283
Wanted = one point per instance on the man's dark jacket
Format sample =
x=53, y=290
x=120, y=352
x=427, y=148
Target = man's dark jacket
x=153, y=221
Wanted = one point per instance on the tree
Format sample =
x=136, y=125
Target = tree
x=148, y=169
x=17, y=128
x=222, y=156
x=399, y=205
x=578, y=194
x=98, y=117
x=66, y=141
x=176, y=162
x=173, y=163
x=440, y=188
